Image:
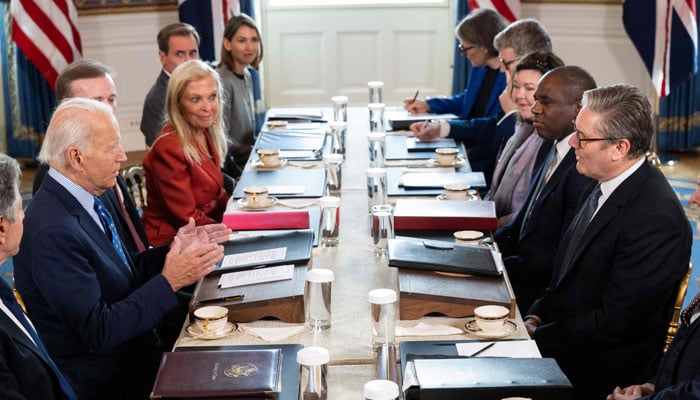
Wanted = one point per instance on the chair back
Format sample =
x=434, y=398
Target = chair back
x=135, y=178
x=680, y=296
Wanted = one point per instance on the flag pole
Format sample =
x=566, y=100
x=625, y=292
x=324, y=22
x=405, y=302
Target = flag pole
x=652, y=155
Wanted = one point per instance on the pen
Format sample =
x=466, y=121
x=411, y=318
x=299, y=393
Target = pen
x=415, y=96
x=481, y=350
x=224, y=299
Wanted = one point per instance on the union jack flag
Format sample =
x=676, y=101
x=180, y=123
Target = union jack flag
x=665, y=34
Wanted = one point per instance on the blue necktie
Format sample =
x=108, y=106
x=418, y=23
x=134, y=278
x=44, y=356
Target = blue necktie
x=111, y=231
x=8, y=299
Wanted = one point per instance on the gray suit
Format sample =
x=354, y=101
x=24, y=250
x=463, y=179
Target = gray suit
x=153, y=116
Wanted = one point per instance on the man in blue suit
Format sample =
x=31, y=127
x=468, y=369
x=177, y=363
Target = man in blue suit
x=26, y=370
x=93, y=304
x=605, y=313
x=530, y=241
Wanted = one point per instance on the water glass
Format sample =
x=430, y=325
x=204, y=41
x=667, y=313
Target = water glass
x=333, y=164
x=340, y=108
x=376, y=117
x=375, y=91
x=376, y=187
x=338, y=129
x=383, y=316
x=382, y=227
x=376, y=142
x=330, y=220
x=317, y=298
x=314, y=367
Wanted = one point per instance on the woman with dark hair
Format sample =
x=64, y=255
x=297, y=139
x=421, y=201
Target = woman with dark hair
x=183, y=165
x=513, y=172
x=477, y=107
x=241, y=49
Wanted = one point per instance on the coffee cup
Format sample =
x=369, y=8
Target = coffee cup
x=211, y=318
x=457, y=191
x=256, y=196
x=468, y=237
x=491, y=318
x=446, y=155
x=269, y=157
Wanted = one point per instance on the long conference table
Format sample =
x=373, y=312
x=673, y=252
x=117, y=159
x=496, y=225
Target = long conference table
x=357, y=271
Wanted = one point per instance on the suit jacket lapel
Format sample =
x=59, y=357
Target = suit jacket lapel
x=568, y=160
x=19, y=336
x=600, y=220
x=87, y=223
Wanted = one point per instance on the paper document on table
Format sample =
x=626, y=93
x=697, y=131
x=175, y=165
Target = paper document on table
x=254, y=257
x=286, y=189
x=299, y=154
x=253, y=276
x=505, y=348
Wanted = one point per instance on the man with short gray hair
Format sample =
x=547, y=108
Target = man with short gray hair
x=94, y=303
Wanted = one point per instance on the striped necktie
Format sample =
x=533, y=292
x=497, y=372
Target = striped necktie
x=111, y=231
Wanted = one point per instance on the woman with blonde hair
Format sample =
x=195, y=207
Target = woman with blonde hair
x=183, y=166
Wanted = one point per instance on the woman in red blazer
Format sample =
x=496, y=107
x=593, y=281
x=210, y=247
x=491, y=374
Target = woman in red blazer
x=183, y=166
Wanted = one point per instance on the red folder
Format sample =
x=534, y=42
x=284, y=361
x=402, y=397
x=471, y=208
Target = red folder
x=433, y=214
x=243, y=220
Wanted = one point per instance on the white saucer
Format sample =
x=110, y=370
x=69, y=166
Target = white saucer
x=433, y=162
x=221, y=333
x=508, y=329
x=243, y=204
x=444, y=197
x=258, y=165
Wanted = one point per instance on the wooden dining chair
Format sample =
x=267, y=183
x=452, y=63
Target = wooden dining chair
x=135, y=178
x=680, y=296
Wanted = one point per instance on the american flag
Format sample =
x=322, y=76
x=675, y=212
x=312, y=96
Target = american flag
x=45, y=32
x=209, y=18
x=509, y=9
x=665, y=34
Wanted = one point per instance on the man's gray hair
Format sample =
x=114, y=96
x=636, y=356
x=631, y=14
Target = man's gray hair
x=524, y=36
x=9, y=181
x=72, y=125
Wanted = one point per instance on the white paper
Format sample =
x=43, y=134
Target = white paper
x=297, y=154
x=254, y=257
x=286, y=189
x=253, y=276
x=504, y=348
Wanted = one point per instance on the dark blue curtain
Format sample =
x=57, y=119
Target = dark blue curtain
x=462, y=67
x=29, y=100
x=679, y=116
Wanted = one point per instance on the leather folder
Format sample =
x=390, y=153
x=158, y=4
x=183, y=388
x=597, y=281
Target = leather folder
x=290, y=367
x=441, y=256
x=298, y=246
x=395, y=174
x=455, y=215
x=396, y=149
x=312, y=140
x=222, y=374
x=244, y=220
x=313, y=180
x=413, y=144
x=402, y=120
x=491, y=378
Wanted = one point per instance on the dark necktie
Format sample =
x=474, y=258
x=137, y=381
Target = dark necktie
x=546, y=165
x=111, y=231
x=8, y=299
x=132, y=230
x=688, y=312
x=580, y=223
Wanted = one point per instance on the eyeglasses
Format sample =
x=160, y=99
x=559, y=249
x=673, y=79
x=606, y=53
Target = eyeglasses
x=464, y=49
x=505, y=63
x=581, y=140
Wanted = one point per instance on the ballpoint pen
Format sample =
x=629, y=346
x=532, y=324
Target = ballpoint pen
x=224, y=299
x=481, y=350
x=415, y=96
